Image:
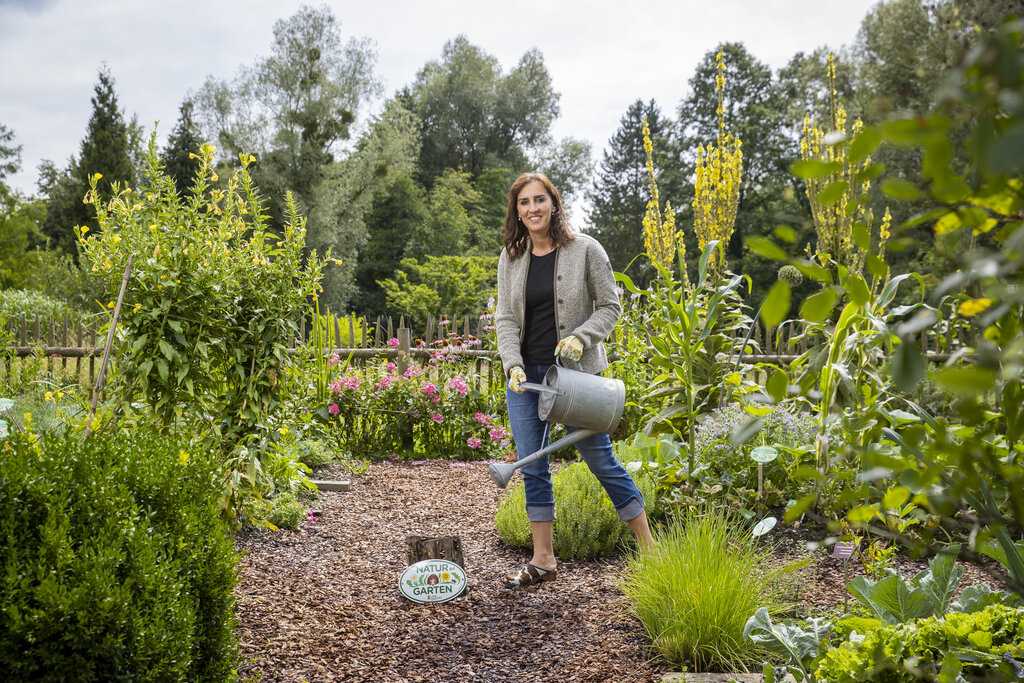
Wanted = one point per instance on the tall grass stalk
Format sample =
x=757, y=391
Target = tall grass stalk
x=696, y=589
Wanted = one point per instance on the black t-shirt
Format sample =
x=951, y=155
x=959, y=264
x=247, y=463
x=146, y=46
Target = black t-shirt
x=541, y=338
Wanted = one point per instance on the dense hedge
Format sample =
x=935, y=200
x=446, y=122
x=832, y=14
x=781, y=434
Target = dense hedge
x=115, y=563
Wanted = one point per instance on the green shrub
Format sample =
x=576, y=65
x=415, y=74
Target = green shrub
x=694, y=592
x=16, y=302
x=586, y=525
x=286, y=511
x=115, y=562
x=314, y=453
x=975, y=644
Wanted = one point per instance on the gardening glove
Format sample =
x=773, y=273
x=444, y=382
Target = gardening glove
x=516, y=376
x=571, y=347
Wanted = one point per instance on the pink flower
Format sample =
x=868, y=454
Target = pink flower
x=384, y=382
x=335, y=359
x=459, y=385
x=350, y=382
x=429, y=389
x=437, y=418
x=393, y=342
x=482, y=418
x=390, y=367
x=497, y=434
x=413, y=371
x=334, y=410
x=474, y=442
x=336, y=387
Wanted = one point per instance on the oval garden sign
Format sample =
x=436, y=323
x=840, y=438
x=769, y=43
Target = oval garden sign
x=431, y=581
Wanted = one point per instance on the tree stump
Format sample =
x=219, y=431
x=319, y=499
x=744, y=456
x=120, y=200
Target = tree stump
x=418, y=548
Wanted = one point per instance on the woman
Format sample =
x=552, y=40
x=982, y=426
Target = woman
x=556, y=297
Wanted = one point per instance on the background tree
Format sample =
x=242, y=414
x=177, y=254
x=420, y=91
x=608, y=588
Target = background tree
x=474, y=116
x=294, y=110
x=107, y=149
x=180, y=156
x=620, y=194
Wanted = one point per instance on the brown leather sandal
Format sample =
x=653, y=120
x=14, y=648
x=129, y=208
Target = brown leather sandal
x=529, y=575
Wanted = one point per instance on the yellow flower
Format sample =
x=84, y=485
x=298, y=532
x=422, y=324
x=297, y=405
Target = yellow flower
x=85, y=229
x=283, y=431
x=110, y=305
x=183, y=457
x=974, y=307
x=60, y=394
x=49, y=396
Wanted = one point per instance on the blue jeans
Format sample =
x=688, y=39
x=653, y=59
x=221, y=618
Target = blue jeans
x=531, y=435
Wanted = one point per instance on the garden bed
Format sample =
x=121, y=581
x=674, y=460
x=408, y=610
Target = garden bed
x=322, y=604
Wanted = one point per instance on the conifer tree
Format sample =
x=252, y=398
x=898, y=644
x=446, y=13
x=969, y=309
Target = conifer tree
x=106, y=149
x=621, y=191
x=179, y=157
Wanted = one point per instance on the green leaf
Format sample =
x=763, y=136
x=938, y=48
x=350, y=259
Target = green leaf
x=163, y=369
x=948, y=223
x=895, y=497
x=762, y=246
x=900, y=188
x=864, y=143
x=862, y=236
x=776, y=304
x=745, y=431
x=894, y=594
x=940, y=582
x=858, y=290
x=814, y=168
x=869, y=173
x=818, y=306
x=876, y=266
x=797, y=646
x=833, y=192
x=166, y=349
x=777, y=385
x=785, y=233
x=966, y=381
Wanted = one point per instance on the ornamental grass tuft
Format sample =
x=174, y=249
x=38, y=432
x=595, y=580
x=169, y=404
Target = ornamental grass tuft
x=696, y=589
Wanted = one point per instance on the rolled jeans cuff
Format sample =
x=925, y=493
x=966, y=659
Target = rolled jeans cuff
x=631, y=510
x=540, y=513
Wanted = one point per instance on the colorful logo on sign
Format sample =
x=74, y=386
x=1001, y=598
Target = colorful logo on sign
x=432, y=581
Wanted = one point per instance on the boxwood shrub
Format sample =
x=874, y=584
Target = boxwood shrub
x=115, y=562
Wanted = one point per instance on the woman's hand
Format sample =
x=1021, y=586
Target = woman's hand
x=571, y=347
x=516, y=377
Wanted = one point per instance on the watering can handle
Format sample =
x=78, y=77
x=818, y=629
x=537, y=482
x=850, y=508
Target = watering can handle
x=539, y=388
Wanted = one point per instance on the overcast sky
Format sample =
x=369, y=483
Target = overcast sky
x=602, y=55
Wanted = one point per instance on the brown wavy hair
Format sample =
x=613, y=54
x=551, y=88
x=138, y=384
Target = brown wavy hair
x=516, y=233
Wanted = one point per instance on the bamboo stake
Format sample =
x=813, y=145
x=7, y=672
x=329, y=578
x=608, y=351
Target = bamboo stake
x=106, y=350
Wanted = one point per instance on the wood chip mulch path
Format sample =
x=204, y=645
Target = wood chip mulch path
x=322, y=603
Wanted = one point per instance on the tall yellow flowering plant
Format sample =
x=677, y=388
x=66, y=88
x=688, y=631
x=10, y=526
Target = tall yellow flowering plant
x=661, y=239
x=837, y=193
x=719, y=173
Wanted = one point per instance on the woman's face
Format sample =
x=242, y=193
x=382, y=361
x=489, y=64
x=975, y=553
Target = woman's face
x=534, y=206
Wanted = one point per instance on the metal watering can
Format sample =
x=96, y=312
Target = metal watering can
x=591, y=403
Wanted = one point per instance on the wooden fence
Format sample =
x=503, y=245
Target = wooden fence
x=75, y=346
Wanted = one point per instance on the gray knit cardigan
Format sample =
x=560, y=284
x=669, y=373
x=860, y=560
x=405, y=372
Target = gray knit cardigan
x=586, y=302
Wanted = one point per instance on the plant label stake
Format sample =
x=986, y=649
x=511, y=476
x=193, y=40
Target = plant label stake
x=762, y=455
x=844, y=551
x=106, y=349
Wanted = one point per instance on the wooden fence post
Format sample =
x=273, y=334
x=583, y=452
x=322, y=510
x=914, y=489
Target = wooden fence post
x=403, y=348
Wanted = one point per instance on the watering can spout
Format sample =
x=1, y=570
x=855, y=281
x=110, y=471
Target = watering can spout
x=501, y=473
